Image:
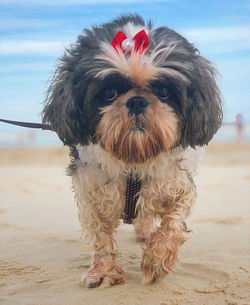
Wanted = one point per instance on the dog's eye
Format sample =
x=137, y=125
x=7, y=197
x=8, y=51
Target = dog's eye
x=162, y=92
x=110, y=94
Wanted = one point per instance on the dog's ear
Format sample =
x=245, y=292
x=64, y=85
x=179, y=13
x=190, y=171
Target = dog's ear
x=63, y=111
x=204, y=109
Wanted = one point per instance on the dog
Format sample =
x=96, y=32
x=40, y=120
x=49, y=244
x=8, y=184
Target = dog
x=135, y=105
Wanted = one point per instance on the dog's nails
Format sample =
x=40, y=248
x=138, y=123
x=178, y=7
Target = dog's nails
x=107, y=283
x=89, y=282
x=92, y=285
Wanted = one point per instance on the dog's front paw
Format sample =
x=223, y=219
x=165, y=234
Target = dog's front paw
x=152, y=269
x=104, y=273
x=160, y=254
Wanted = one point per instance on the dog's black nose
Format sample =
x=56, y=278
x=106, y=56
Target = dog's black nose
x=137, y=104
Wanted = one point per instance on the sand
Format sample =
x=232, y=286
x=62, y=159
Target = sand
x=42, y=257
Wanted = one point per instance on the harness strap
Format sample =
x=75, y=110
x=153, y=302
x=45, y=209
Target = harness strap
x=27, y=124
x=132, y=195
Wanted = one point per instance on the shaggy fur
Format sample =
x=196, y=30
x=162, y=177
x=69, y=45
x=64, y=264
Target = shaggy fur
x=137, y=138
x=142, y=113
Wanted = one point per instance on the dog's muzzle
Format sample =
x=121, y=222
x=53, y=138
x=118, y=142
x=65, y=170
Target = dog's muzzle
x=137, y=105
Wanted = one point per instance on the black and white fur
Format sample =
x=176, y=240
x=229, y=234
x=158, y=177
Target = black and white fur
x=173, y=75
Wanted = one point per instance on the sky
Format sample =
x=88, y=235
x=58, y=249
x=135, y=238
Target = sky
x=34, y=34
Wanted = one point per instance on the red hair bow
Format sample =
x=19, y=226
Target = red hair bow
x=139, y=42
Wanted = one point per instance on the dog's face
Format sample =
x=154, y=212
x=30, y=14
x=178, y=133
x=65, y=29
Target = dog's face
x=134, y=103
x=136, y=123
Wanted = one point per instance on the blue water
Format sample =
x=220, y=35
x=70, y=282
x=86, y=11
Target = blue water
x=28, y=137
x=228, y=133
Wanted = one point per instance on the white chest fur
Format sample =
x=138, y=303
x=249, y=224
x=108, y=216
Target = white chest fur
x=101, y=177
x=93, y=156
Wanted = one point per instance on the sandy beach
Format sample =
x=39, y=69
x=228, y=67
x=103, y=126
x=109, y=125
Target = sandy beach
x=42, y=255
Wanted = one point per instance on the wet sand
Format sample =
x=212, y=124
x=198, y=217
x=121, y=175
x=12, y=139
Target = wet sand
x=42, y=256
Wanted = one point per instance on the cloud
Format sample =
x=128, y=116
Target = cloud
x=27, y=67
x=219, y=34
x=210, y=41
x=27, y=47
x=219, y=40
x=224, y=47
x=21, y=23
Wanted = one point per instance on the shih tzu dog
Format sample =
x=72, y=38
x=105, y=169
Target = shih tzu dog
x=135, y=105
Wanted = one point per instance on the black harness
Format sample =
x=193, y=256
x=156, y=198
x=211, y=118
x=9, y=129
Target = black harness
x=132, y=195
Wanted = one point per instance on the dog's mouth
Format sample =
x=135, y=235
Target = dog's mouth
x=137, y=124
x=138, y=137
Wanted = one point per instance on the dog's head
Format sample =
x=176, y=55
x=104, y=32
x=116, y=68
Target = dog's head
x=134, y=90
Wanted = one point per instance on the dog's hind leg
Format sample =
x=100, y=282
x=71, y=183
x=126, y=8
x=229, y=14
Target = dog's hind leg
x=143, y=228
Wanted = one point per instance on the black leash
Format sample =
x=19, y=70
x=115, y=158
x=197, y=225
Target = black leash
x=27, y=124
x=133, y=181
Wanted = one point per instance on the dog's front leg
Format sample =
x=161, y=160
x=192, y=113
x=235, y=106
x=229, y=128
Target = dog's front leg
x=99, y=220
x=161, y=249
x=172, y=202
x=99, y=202
x=104, y=272
x=160, y=252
